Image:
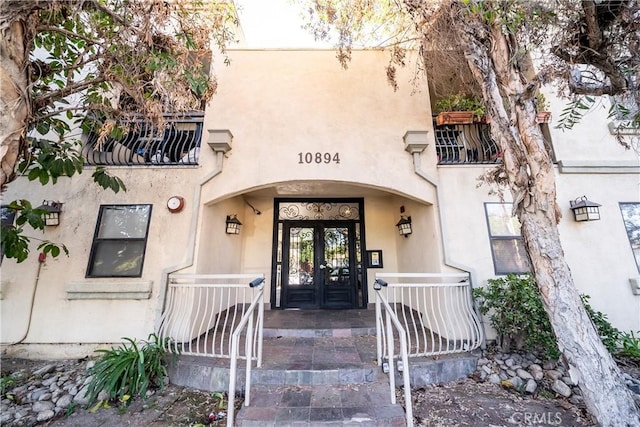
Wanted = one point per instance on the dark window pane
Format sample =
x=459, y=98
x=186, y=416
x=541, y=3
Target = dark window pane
x=124, y=222
x=120, y=241
x=510, y=256
x=117, y=258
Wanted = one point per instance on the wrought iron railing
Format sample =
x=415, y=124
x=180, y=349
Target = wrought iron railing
x=177, y=143
x=467, y=143
x=436, y=311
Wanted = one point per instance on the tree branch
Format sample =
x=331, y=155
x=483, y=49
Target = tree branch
x=67, y=90
x=65, y=32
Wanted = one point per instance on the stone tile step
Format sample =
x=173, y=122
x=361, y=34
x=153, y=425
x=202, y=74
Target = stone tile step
x=321, y=405
x=316, y=333
x=213, y=374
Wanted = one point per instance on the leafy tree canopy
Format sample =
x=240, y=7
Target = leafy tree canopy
x=70, y=66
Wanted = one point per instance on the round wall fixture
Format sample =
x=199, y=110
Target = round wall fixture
x=175, y=204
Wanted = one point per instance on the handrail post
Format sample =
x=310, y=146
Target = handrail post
x=390, y=356
x=248, y=349
x=377, y=286
x=260, y=327
x=247, y=320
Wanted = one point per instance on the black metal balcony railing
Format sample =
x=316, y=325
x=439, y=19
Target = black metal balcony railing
x=177, y=144
x=468, y=143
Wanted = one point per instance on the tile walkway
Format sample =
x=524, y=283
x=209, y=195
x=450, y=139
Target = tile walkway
x=319, y=369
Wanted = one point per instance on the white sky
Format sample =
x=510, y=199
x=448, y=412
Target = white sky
x=274, y=24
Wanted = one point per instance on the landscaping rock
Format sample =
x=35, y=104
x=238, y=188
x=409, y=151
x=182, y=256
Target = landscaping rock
x=531, y=386
x=553, y=374
x=524, y=374
x=536, y=371
x=561, y=388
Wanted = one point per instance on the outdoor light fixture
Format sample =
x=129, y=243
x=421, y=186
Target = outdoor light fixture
x=585, y=210
x=233, y=225
x=53, y=209
x=404, y=226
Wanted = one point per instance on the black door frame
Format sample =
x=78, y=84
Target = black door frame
x=360, y=296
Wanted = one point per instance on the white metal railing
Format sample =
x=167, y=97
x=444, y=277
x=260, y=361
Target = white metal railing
x=206, y=315
x=202, y=311
x=435, y=309
x=390, y=322
x=246, y=321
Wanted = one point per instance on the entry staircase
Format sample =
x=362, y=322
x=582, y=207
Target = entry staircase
x=316, y=367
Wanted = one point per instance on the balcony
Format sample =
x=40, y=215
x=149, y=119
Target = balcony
x=177, y=144
x=465, y=143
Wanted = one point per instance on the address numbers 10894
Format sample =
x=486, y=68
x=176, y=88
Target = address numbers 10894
x=318, y=157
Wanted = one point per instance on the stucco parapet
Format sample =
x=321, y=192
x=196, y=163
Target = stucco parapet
x=598, y=166
x=109, y=290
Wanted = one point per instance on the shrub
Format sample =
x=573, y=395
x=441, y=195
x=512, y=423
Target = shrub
x=609, y=335
x=460, y=102
x=517, y=314
x=630, y=344
x=129, y=369
x=519, y=318
x=6, y=382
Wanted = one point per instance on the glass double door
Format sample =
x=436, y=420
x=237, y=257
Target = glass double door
x=319, y=266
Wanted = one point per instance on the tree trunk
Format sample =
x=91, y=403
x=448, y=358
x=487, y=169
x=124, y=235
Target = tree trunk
x=530, y=176
x=13, y=98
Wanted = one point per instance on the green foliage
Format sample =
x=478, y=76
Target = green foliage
x=222, y=404
x=574, y=111
x=129, y=370
x=108, y=181
x=630, y=344
x=156, y=53
x=71, y=409
x=609, y=335
x=460, y=102
x=6, y=383
x=517, y=314
x=15, y=244
x=541, y=102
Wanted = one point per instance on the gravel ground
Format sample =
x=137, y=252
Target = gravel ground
x=463, y=403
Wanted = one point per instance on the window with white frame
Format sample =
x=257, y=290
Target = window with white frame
x=631, y=218
x=507, y=246
x=119, y=241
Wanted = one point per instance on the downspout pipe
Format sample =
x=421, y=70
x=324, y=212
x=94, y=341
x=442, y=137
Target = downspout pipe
x=220, y=143
x=415, y=144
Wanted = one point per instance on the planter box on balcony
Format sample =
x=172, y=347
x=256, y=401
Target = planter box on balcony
x=484, y=119
x=543, y=116
x=455, y=118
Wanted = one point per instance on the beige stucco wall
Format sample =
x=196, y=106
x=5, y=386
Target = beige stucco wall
x=281, y=103
x=276, y=104
x=598, y=252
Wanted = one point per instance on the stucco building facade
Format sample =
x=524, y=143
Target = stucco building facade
x=319, y=164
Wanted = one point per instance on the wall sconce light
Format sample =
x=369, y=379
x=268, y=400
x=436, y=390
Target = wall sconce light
x=585, y=210
x=404, y=226
x=53, y=209
x=233, y=225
